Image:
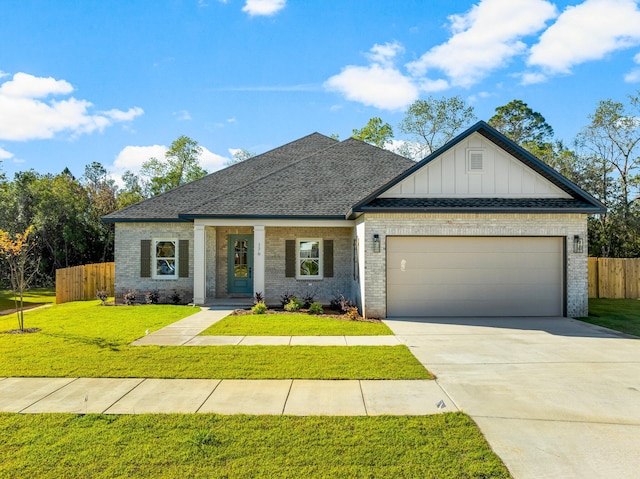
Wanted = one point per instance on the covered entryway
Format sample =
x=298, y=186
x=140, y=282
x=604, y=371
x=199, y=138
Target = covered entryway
x=475, y=276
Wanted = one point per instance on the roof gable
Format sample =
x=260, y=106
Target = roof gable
x=509, y=175
x=475, y=167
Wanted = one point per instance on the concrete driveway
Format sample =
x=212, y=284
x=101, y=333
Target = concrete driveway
x=555, y=397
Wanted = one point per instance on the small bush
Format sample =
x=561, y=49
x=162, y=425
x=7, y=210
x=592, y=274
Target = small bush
x=175, y=297
x=102, y=295
x=294, y=305
x=307, y=299
x=152, y=297
x=259, y=308
x=259, y=298
x=352, y=314
x=286, y=298
x=340, y=303
x=315, y=308
x=130, y=296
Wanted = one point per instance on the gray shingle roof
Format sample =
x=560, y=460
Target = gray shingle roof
x=315, y=176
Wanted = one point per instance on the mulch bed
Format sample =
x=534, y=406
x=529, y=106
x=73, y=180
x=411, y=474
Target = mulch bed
x=21, y=331
x=328, y=313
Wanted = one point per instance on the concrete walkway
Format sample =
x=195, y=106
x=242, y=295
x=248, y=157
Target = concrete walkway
x=227, y=396
x=185, y=333
x=555, y=397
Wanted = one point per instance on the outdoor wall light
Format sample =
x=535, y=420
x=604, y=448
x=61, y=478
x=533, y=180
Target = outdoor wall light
x=578, y=246
x=376, y=243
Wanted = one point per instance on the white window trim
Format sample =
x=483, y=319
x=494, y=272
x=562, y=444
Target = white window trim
x=471, y=151
x=320, y=274
x=154, y=260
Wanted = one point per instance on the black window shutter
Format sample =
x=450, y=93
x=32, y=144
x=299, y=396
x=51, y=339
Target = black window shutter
x=290, y=259
x=145, y=258
x=328, y=258
x=183, y=259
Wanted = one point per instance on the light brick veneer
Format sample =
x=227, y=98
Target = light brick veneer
x=566, y=225
x=127, y=259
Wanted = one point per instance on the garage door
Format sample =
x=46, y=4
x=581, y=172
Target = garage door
x=474, y=276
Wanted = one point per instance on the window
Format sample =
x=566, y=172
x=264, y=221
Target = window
x=309, y=258
x=165, y=259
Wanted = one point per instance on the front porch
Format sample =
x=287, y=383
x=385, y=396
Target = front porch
x=234, y=259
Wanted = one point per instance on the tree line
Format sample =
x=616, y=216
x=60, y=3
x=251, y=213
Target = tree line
x=604, y=159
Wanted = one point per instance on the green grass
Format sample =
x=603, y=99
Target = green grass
x=31, y=298
x=293, y=325
x=84, y=339
x=210, y=446
x=619, y=314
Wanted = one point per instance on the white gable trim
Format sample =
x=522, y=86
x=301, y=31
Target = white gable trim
x=449, y=176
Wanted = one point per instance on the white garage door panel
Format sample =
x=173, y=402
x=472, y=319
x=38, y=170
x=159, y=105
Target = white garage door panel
x=474, y=276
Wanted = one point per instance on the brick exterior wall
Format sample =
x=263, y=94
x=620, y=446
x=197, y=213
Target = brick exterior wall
x=324, y=289
x=127, y=259
x=566, y=225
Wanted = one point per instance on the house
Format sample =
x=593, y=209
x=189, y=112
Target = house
x=478, y=228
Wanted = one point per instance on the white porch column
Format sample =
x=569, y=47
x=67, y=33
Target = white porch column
x=258, y=258
x=199, y=264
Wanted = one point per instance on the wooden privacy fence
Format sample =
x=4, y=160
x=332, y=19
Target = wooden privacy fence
x=614, y=278
x=80, y=283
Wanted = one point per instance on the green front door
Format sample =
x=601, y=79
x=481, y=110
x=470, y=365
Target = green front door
x=240, y=265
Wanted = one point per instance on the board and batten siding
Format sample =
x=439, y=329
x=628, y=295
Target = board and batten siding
x=502, y=176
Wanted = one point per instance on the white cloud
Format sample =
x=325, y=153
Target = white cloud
x=263, y=7
x=182, y=115
x=433, y=85
x=212, y=161
x=633, y=76
x=5, y=155
x=530, y=78
x=380, y=84
x=28, y=113
x=384, y=54
x=588, y=31
x=382, y=87
x=484, y=38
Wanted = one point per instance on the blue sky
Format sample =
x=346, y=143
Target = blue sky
x=116, y=82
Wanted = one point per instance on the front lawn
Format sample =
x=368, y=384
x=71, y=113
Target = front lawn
x=293, y=325
x=85, y=339
x=212, y=446
x=31, y=298
x=619, y=314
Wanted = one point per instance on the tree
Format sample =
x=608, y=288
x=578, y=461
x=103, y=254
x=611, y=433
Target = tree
x=131, y=193
x=374, y=132
x=239, y=156
x=434, y=122
x=612, y=144
x=17, y=252
x=101, y=191
x=524, y=126
x=181, y=165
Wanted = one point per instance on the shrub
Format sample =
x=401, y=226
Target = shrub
x=102, y=295
x=294, y=305
x=259, y=298
x=340, y=303
x=286, y=298
x=352, y=314
x=315, y=308
x=130, y=296
x=308, y=299
x=175, y=297
x=151, y=297
x=259, y=308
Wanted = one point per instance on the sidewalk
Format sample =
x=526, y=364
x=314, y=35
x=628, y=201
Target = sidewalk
x=297, y=397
